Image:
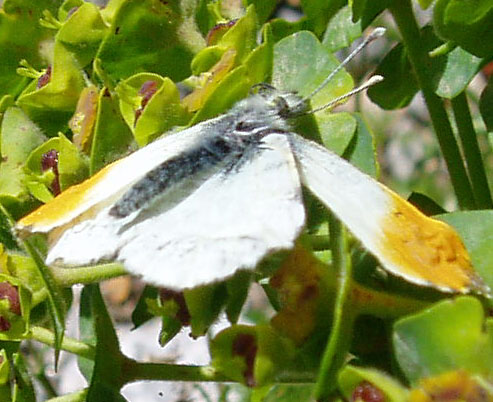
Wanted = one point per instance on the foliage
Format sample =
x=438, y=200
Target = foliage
x=81, y=86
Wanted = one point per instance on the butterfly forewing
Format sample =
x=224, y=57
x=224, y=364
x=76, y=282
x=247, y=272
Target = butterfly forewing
x=230, y=221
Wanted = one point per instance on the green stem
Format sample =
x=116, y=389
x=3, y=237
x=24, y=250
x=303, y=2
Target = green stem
x=342, y=323
x=71, y=345
x=96, y=273
x=469, y=140
x=404, y=17
x=73, y=397
x=319, y=242
x=383, y=305
x=136, y=371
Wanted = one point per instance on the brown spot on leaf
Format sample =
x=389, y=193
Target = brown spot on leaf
x=44, y=79
x=71, y=12
x=147, y=91
x=4, y=324
x=183, y=315
x=367, y=392
x=245, y=345
x=11, y=293
x=218, y=31
x=49, y=160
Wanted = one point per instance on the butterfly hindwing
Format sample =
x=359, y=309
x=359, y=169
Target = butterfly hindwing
x=230, y=221
x=409, y=244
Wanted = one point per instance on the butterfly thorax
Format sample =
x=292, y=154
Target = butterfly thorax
x=269, y=110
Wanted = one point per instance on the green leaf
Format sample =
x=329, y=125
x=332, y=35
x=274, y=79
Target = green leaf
x=237, y=288
x=19, y=137
x=23, y=390
x=149, y=36
x=399, y=86
x=367, y=11
x=454, y=72
x=424, y=4
x=450, y=335
x=341, y=30
x=60, y=94
x=291, y=72
x=242, y=36
x=141, y=313
x=107, y=377
x=450, y=73
x=361, y=151
x=259, y=61
x=78, y=396
x=475, y=229
x=251, y=355
x=282, y=28
x=290, y=393
x=425, y=204
x=82, y=33
x=204, y=304
x=467, y=23
x=4, y=368
x=319, y=12
x=21, y=37
x=231, y=89
x=161, y=113
x=25, y=269
x=87, y=332
x=7, y=239
x=56, y=302
x=72, y=168
x=263, y=8
x=336, y=130
x=18, y=320
x=351, y=376
x=112, y=138
x=486, y=105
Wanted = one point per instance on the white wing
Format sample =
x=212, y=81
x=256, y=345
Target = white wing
x=407, y=243
x=109, y=183
x=233, y=220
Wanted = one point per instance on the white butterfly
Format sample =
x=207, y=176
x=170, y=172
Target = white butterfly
x=196, y=206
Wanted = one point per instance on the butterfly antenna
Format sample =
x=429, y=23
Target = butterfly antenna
x=334, y=102
x=375, y=34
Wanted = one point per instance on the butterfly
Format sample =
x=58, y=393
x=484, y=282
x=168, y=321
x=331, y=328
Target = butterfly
x=196, y=206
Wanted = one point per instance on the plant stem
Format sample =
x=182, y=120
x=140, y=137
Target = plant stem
x=77, y=396
x=70, y=276
x=137, y=371
x=404, y=17
x=469, y=140
x=342, y=323
x=71, y=345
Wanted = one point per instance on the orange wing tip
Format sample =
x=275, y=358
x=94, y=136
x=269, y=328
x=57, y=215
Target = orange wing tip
x=65, y=207
x=426, y=251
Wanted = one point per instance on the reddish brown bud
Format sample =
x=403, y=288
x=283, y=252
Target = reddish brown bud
x=183, y=315
x=49, y=160
x=11, y=293
x=367, y=392
x=4, y=324
x=44, y=79
x=218, y=31
x=147, y=91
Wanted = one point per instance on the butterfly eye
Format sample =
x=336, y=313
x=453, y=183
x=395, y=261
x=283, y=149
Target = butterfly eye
x=263, y=89
x=281, y=105
x=244, y=126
